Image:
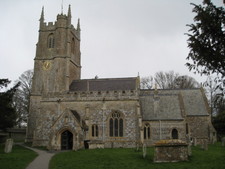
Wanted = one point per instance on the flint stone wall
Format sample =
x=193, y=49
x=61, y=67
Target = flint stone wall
x=93, y=111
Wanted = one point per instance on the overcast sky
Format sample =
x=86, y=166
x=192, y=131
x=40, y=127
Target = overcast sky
x=119, y=38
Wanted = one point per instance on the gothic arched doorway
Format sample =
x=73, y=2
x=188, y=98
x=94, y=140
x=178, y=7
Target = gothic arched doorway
x=174, y=134
x=66, y=140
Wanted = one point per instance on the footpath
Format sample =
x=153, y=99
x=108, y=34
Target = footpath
x=41, y=161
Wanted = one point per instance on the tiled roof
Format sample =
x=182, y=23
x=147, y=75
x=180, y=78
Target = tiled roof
x=169, y=104
x=194, y=103
x=104, y=84
x=161, y=107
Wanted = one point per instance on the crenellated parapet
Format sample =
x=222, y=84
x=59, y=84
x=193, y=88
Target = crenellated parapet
x=63, y=21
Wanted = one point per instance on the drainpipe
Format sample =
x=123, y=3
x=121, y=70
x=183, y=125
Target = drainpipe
x=103, y=128
x=160, y=126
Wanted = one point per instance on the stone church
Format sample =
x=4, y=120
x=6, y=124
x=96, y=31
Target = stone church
x=67, y=112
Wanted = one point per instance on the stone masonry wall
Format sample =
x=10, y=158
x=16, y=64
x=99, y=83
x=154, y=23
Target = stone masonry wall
x=164, y=130
x=199, y=127
x=92, y=112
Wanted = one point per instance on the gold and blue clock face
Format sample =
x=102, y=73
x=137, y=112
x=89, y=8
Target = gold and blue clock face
x=46, y=65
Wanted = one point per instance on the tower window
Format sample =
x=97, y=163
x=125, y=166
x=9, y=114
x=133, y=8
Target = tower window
x=73, y=46
x=147, y=131
x=94, y=130
x=116, y=125
x=51, y=41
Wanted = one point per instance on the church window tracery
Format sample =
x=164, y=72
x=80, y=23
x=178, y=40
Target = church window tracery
x=94, y=130
x=116, y=125
x=147, y=131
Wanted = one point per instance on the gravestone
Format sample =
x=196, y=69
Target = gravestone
x=205, y=145
x=189, y=150
x=137, y=146
x=144, y=150
x=195, y=141
x=189, y=142
x=8, y=145
x=202, y=146
x=223, y=141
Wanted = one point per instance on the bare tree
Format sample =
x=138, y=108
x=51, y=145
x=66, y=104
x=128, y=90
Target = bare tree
x=214, y=94
x=184, y=82
x=146, y=82
x=22, y=97
x=166, y=80
x=169, y=80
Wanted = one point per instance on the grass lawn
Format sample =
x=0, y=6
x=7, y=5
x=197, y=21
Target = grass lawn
x=121, y=158
x=19, y=158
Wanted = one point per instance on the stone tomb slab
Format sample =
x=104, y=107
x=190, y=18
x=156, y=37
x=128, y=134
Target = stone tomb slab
x=170, y=151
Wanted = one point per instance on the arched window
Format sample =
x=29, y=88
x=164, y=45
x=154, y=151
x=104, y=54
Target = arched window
x=116, y=125
x=73, y=46
x=147, y=131
x=51, y=41
x=94, y=130
x=174, y=134
x=187, y=128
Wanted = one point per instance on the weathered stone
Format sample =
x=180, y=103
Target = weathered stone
x=137, y=146
x=170, y=151
x=96, y=144
x=8, y=146
x=189, y=150
x=195, y=141
x=144, y=150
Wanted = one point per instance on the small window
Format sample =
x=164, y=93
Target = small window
x=116, y=125
x=147, y=131
x=73, y=46
x=94, y=130
x=174, y=134
x=51, y=41
x=187, y=129
x=111, y=127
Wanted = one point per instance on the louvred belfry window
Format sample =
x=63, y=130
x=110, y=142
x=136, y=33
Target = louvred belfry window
x=51, y=41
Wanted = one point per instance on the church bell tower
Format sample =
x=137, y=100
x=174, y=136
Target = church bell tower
x=57, y=60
